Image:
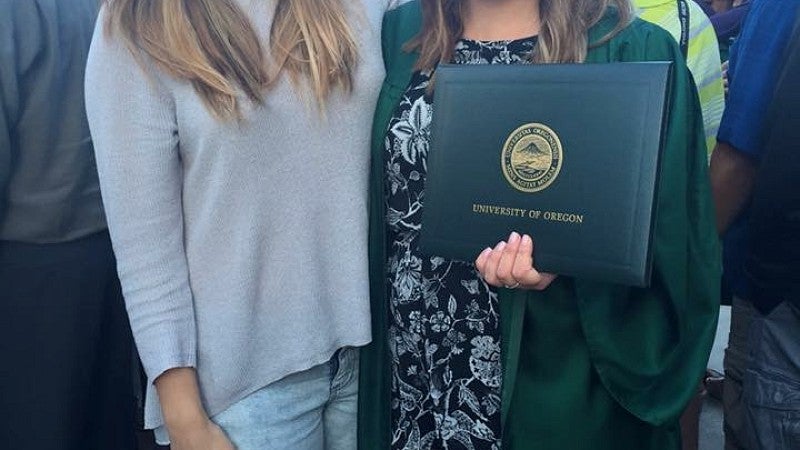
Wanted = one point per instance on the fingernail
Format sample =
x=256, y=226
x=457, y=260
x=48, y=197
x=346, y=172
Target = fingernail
x=513, y=238
x=527, y=240
x=500, y=246
x=485, y=252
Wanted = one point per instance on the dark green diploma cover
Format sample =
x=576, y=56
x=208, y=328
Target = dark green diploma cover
x=566, y=153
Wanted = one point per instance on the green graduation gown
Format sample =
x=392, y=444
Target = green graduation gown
x=587, y=365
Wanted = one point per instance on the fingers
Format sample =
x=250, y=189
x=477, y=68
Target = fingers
x=511, y=264
x=505, y=265
x=725, y=76
x=523, y=264
x=489, y=271
x=523, y=272
x=480, y=263
x=545, y=280
x=497, y=265
x=524, y=269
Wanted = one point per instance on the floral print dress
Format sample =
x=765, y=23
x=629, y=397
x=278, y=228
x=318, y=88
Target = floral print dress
x=444, y=333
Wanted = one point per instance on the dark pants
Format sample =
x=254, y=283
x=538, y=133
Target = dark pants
x=65, y=348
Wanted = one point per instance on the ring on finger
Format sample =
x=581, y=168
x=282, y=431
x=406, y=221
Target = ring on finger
x=513, y=286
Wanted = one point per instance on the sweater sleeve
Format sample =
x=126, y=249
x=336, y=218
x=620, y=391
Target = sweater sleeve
x=133, y=124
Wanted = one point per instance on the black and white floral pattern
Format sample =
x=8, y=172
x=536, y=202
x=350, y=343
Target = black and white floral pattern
x=444, y=330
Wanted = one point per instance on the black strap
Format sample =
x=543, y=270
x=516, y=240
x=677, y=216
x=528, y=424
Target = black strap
x=683, y=17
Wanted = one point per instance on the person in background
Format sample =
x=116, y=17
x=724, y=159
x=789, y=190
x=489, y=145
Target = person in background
x=728, y=24
x=65, y=341
x=726, y=17
x=717, y=6
x=690, y=27
x=706, y=6
x=772, y=380
x=232, y=146
x=583, y=365
x=756, y=59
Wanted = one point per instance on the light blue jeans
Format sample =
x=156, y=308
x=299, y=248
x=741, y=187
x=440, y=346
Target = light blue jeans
x=311, y=410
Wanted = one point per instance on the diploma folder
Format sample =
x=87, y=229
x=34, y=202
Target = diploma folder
x=567, y=153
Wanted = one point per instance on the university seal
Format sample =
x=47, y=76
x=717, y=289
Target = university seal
x=532, y=157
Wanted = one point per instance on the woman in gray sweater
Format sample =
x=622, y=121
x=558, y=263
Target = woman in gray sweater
x=231, y=140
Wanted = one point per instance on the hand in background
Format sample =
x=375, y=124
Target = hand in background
x=725, y=76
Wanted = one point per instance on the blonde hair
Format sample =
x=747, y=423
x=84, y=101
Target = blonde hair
x=563, y=37
x=213, y=45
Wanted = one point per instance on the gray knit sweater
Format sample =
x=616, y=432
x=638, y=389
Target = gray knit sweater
x=242, y=247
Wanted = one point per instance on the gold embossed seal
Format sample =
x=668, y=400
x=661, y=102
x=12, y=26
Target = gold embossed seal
x=532, y=157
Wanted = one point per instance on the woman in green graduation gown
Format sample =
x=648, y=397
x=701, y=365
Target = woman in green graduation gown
x=585, y=365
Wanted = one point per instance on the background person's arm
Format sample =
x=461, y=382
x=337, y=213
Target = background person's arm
x=753, y=72
x=732, y=176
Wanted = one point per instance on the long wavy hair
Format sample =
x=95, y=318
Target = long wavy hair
x=213, y=45
x=563, y=37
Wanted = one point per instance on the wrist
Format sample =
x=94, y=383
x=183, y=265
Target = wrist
x=179, y=396
x=184, y=418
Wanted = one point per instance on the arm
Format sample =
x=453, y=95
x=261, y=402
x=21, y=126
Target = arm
x=179, y=395
x=132, y=119
x=188, y=425
x=650, y=345
x=754, y=68
x=732, y=176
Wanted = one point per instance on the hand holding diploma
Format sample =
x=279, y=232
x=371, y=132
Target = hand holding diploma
x=510, y=265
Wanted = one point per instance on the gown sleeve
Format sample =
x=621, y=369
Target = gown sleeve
x=650, y=346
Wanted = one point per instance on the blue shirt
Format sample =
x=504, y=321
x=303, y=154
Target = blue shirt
x=755, y=64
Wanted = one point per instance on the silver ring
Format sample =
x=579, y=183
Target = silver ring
x=516, y=285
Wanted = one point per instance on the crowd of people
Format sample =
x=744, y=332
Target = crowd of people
x=210, y=214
